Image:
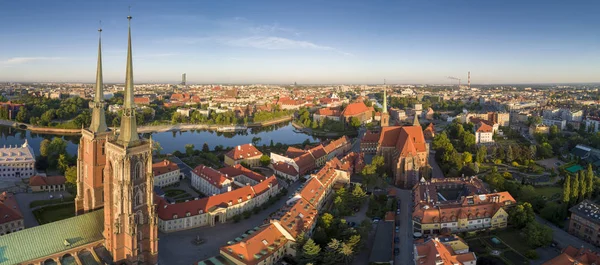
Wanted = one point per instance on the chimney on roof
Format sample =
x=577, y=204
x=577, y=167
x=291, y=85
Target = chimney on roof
x=239, y=147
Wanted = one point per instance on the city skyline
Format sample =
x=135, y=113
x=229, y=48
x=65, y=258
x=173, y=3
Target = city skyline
x=309, y=42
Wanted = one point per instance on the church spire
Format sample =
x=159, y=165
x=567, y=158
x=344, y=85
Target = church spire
x=384, y=97
x=416, y=120
x=128, y=134
x=98, y=123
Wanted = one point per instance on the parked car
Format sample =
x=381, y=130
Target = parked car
x=375, y=220
x=396, y=240
x=396, y=251
x=398, y=211
x=397, y=229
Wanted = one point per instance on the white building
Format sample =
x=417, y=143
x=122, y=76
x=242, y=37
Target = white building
x=17, y=162
x=484, y=134
x=561, y=124
x=210, y=181
x=165, y=173
x=592, y=123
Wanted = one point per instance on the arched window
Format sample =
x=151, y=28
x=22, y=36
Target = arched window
x=138, y=198
x=138, y=171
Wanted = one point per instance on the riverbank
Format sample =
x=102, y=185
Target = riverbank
x=141, y=129
x=312, y=132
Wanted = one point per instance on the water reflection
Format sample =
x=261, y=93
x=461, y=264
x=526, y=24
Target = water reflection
x=175, y=140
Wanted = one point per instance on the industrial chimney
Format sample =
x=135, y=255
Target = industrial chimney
x=469, y=79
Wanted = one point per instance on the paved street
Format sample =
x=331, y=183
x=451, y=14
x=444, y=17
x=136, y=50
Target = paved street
x=563, y=238
x=24, y=199
x=436, y=170
x=406, y=230
x=176, y=248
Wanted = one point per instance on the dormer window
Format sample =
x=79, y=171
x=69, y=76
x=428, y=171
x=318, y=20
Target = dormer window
x=239, y=200
x=201, y=211
x=230, y=203
x=188, y=214
x=174, y=216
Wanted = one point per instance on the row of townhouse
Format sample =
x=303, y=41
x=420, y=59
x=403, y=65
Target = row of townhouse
x=299, y=162
x=266, y=245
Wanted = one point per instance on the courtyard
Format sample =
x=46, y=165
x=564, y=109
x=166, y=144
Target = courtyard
x=178, y=247
x=497, y=247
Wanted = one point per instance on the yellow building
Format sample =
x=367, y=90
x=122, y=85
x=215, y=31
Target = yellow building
x=458, y=205
x=246, y=153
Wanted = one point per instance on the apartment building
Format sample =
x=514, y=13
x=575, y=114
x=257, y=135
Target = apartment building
x=165, y=173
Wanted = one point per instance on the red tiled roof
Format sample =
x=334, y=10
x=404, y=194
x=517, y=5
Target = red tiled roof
x=328, y=112
x=9, y=209
x=141, y=100
x=236, y=170
x=258, y=246
x=312, y=191
x=299, y=217
x=318, y=151
x=371, y=137
x=285, y=168
x=43, y=181
x=483, y=127
x=206, y=204
x=243, y=151
x=262, y=187
x=355, y=108
x=163, y=167
x=305, y=163
x=293, y=152
x=211, y=175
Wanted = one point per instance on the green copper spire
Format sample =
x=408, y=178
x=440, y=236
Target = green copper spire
x=98, y=123
x=384, y=97
x=128, y=135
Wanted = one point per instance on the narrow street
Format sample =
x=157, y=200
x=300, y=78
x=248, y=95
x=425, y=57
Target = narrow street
x=406, y=256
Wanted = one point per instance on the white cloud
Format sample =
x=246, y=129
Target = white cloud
x=273, y=28
x=22, y=60
x=278, y=43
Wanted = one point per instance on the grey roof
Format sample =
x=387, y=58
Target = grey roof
x=23, y=153
x=45, y=240
x=382, y=252
x=587, y=210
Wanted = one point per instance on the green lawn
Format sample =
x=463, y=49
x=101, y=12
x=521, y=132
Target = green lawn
x=54, y=213
x=548, y=191
x=514, y=239
x=174, y=192
x=50, y=201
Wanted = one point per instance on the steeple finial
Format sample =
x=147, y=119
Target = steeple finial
x=128, y=134
x=98, y=123
x=384, y=97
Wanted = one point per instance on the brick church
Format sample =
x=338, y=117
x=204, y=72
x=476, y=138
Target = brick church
x=116, y=222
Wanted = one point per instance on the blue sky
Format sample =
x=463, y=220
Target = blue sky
x=308, y=41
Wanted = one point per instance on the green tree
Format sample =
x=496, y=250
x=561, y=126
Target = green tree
x=44, y=147
x=582, y=185
x=326, y=220
x=71, y=175
x=441, y=142
x=189, y=149
x=509, y=154
x=553, y=131
x=63, y=162
x=354, y=242
x=205, y=148
x=256, y=140
x=567, y=189
x=575, y=189
x=347, y=253
x=310, y=252
x=332, y=255
x=537, y=235
x=521, y=215
x=355, y=122
x=156, y=147
x=590, y=181
x=22, y=115
x=481, y=153
x=358, y=195
x=265, y=160
x=467, y=157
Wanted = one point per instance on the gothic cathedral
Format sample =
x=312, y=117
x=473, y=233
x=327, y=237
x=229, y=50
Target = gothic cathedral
x=115, y=172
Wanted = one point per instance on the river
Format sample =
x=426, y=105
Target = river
x=176, y=140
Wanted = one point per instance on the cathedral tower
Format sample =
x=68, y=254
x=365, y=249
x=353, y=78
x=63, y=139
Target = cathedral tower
x=130, y=221
x=385, y=117
x=91, y=157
